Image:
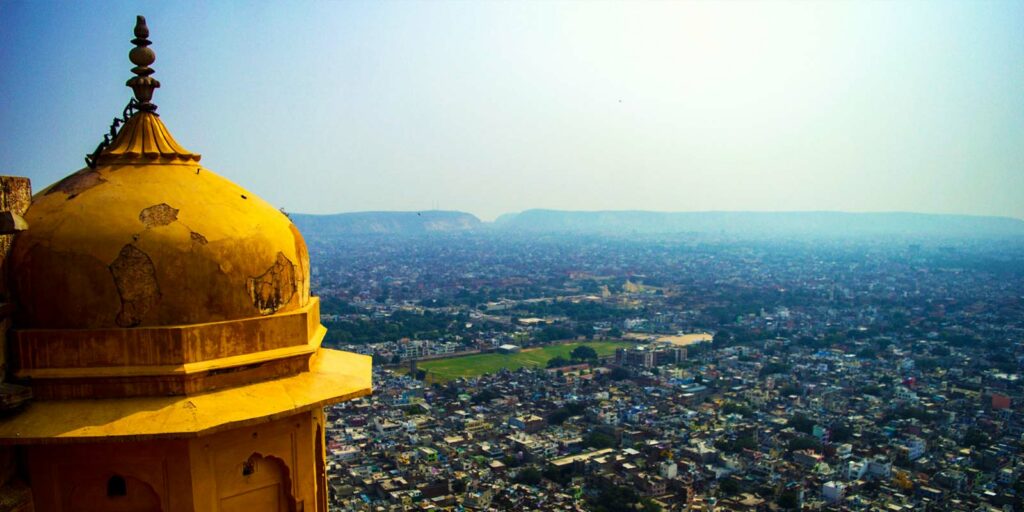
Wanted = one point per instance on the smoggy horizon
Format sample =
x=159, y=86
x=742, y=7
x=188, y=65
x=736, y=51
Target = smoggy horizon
x=493, y=108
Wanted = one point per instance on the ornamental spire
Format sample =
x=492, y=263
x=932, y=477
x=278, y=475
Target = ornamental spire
x=139, y=136
x=142, y=56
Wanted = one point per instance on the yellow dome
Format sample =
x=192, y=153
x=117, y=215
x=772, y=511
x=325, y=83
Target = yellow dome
x=148, y=237
x=148, y=275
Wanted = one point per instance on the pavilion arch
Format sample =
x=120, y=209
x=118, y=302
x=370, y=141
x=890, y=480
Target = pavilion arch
x=112, y=492
x=262, y=482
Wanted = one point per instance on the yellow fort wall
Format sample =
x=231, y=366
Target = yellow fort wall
x=275, y=466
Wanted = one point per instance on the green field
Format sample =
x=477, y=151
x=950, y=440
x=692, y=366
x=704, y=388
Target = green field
x=443, y=370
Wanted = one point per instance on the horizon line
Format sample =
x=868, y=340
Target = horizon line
x=844, y=212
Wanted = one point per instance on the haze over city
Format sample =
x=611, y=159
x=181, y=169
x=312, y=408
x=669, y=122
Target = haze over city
x=744, y=256
x=493, y=107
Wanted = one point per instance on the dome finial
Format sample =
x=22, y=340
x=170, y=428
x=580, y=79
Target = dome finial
x=142, y=56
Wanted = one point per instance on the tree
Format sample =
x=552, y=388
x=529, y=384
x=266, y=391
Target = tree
x=485, y=395
x=585, y=329
x=558, y=362
x=614, y=498
x=801, y=423
x=584, y=353
x=840, y=433
x=598, y=440
x=789, y=500
x=559, y=477
x=773, y=368
x=976, y=438
x=529, y=475
x=558, y=417
x=619, y=373
x=736, y=445
x=804, y=443
x=554, y=333
x=729, y=487
x=721, y=338
x=735, y=408
x=649, y=505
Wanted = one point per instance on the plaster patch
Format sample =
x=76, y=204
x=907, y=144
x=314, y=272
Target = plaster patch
x=77, y=183
x=158, y=215
x=135, y=278
x=275, y=287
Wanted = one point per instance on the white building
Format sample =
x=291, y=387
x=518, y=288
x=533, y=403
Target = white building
x=855, y=470
x=668, y=469
x=833, y=492
x=915, y=447
x=880, y=467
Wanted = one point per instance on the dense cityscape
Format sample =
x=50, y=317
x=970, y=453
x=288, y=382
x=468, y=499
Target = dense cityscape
x=616, y=256
x=676, y=372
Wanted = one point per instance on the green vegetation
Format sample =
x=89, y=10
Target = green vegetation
x=619, y=373
x=598, y=440
x=804, y=443
x=529, y=475
x=801, y=423
x=558, y=362
x=789, y=500
x=401, y=324
x=485, y=395
x=735, y=408
x=976, y=438
x=479, y=364
x=773, y=368
x=736, y=445
x=577, y=311
x=840, y=433
x=584, y=352
x=730, y=487
x=617, y=498
x=918, y=413
x=571, y=409
x=580, y=354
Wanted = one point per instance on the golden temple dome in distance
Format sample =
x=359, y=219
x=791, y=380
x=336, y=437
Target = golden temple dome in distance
x=145, y=236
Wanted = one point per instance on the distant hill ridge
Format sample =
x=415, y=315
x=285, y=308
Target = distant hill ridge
x=399, y=223
x=833, y=224
x=762, y=223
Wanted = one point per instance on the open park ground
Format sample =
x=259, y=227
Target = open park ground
x=681, y=340
x=443, y=370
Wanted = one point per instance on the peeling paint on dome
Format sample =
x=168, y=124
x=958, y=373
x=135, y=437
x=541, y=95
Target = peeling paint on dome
x=275, y=287
x=158, y=215
x=77, y=183
x=135, y=278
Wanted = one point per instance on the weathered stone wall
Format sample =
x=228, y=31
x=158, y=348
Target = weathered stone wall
x=15, y=197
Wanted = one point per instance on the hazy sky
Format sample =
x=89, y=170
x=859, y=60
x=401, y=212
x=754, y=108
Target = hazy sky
x=494, y=107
